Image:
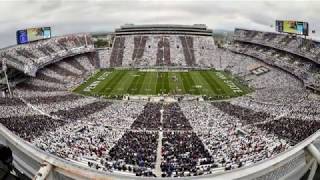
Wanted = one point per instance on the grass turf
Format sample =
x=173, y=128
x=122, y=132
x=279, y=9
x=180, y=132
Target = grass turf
x=209, y=83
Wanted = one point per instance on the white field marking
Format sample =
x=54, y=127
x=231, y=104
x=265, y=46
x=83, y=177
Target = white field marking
x=229, y=83
x=103, y=76
x=90, y=87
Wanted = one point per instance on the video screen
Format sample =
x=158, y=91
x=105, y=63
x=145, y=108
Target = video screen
x=294, y=27
x=22, y=37
x=33, y=34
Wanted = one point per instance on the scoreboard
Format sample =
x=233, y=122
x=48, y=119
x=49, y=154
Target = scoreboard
x=33, y=34
x=294, y=27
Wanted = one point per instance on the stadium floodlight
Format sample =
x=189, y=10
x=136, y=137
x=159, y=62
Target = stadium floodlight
x=4, y=67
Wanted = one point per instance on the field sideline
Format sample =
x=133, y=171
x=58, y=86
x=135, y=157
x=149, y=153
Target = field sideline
x=210, y=83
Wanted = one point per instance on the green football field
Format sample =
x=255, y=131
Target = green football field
x=209, y=83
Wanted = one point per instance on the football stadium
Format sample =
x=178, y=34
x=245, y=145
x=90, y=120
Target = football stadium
x=161, y=101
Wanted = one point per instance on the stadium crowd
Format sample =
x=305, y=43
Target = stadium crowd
x=292, y=44
x=29, y=57
x=196, y=138
x=159, y=50
x=305, y=70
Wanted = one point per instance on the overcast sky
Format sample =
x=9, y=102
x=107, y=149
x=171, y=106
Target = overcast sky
x=71, y=16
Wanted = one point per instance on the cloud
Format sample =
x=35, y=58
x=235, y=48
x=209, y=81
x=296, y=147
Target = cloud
x=68, y=16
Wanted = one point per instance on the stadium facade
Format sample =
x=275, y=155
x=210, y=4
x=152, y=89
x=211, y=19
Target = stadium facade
x=41, y=75
x=197, y=29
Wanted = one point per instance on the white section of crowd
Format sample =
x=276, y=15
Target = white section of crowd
x=129, y=46
x=203, y=50
x=90, y=138
x=84, y=61
x=176, y=52
x=220, y=133
x=149, y=56
x=104, y=55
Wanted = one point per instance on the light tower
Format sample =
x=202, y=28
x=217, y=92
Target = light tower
x=4, y=69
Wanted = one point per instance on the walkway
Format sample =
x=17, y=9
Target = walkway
x=159, y=148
